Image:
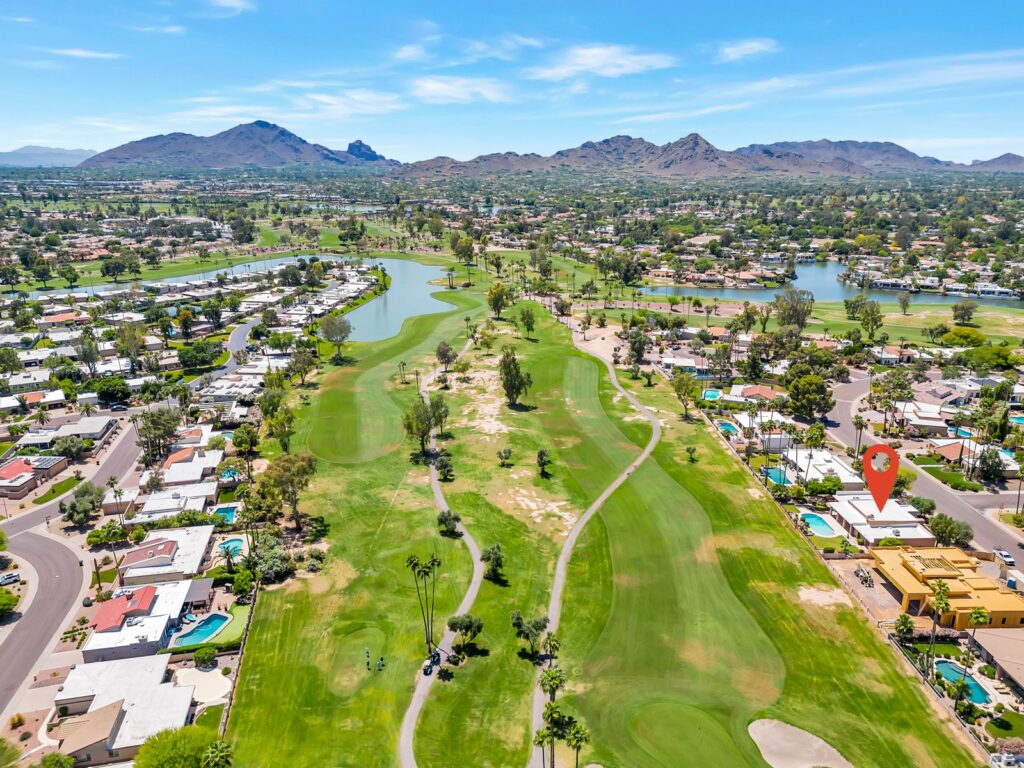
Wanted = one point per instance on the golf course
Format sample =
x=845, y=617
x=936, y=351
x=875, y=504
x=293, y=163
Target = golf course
x=691, y=607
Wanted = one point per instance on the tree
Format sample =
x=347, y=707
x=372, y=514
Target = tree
x=949, y=532
x=871, y=318
x=185, y=322
x=543, y=461
x=552, y=680
x=940, y=607
x=963, y=312
x=495, y=562
x=577, y=738
x=246, y=439
x=281, y=427
x=201, y=354
x=903, y=299
x=290, y=474
x=685, y=387
x=242, y=584
x=504, y=456
x=445, y=471
x=9, y=360
x=989, y=466
x=84, y=502
x=859, y=423
x=448, y=522
x=425, y=571
x=302, y=364
x=205, y=656
x=176, y=748
x=112, y=389
x=514, y=381
x=529, y=630
x=528, y=319
x=418, y=422
x=54, y=760
x=8, y=601
x=793, y=307
x=336, y=329
x=497, y=298
x=467, y=627
x=445, y=355
x=904, y=627
x=810, y=397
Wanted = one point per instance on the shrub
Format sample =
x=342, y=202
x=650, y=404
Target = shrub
x=225, y=671
x=17, y=720
x=205, y=656
x=25, y=736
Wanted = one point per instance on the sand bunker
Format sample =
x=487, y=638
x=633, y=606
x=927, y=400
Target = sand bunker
x=824, y=596
x=784, y=746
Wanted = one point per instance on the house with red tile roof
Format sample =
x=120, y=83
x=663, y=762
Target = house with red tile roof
x=17, y=479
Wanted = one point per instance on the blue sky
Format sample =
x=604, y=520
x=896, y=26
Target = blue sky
x=415, y=80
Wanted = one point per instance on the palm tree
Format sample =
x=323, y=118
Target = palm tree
x=577, y=738
x=552, y=680
x=940, y=606
x=978, y=618
x=218, y=755
x=42, y=416
x=859, y=423
x=86, y=409
x=551, y=645
x=412, y=562
x=540, y=739
x=903, y=626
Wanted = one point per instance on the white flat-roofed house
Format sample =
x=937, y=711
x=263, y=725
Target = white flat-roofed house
x=922, y=419
x=170, y=501
x=859, y=515
x=817, y=464
x=768, y=429
x=187, y=466
x=108, y=709
x=168, y=554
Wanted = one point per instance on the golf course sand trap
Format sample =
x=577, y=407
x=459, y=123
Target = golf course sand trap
x=784, y=746
x=824, y=596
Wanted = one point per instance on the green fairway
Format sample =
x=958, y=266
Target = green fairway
x=703, y=628
x=305, y=655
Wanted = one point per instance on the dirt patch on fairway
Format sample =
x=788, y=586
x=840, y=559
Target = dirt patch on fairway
x=759, y=686
x=697, y=653
x=785, y=746
x=542, y=511
x=338, y=575
x=483, y=416
x=824, y=596
x=707, y=550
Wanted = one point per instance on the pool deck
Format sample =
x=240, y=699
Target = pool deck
x=186, y=628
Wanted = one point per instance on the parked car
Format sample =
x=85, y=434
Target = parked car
x=119, y=407
x=1005, y=556
x=10, y=578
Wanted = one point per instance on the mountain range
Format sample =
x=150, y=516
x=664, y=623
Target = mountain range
x=259, y=144
x=44, y=157
x=265, y=145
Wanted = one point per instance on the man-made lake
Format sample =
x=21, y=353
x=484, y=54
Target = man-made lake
x=408, y=296
x=821, y=280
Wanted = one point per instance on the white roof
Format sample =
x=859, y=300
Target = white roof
x=817, y=464
x=170, y=599
x=192, y=545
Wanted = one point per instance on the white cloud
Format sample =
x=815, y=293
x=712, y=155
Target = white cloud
x=84, y=53
x=601, y=60
x=659, y=117
x=357, y=101
x=234, y=6
x=412, y=52
x=504, y=48
x=17, y=19
x=438, y=89
x=169, y=29
x=742, y=49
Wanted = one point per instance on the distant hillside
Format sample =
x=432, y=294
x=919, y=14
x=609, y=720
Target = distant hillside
x=1008, y=163
x=877, y=156
x=44, y=157
x=691, y=156
x=259, y=144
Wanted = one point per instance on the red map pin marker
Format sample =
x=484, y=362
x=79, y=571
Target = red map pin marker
x=880, y=482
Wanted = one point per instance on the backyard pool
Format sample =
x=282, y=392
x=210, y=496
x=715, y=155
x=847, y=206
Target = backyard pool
x=777, y=475
x=819, y=526
x=953, y=672
x=728, y=428
x=228, y=435
x=229, y=475
x=711, y=394
x=226, y=512
x=203, y=631
x=231, y=547
x=962, y=432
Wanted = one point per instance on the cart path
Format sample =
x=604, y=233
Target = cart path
x=406, y=755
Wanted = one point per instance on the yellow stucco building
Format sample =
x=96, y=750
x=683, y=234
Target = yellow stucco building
x=913, y=572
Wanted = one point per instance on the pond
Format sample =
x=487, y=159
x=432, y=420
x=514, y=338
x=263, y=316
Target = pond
x=821, y=279
x=408, y=296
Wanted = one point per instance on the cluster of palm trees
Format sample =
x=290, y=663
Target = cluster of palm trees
x=424, y=573
x=558, y=726
x=813, y=437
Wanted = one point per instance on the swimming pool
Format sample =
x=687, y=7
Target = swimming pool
x=227, y=512
x=232, y=547
x=202, y=631
x=962, y=432
x=953, y=673
x=229, y=475
x=819, y=526
x=228, y=435
x=1017, y=419
x=728, y=428
x=711, y=394
x=777, y=475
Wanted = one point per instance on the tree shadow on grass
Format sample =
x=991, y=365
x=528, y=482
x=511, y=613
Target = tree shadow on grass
x=534, y=657
x=521, y=407
x=472, y=650
x=318, y=528
x=445, y=675
x=498, y=580
x=419, y=459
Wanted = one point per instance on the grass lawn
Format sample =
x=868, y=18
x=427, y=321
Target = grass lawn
x=305, y=653
x=1008, y=724
x=210, y=719
x=951, y=650
x=57, y=489
x=224, y=495
x=952, y=477
x=5, y=446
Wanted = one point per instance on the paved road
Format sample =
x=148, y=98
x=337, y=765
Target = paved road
x=423, y=682
x=968, y=508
